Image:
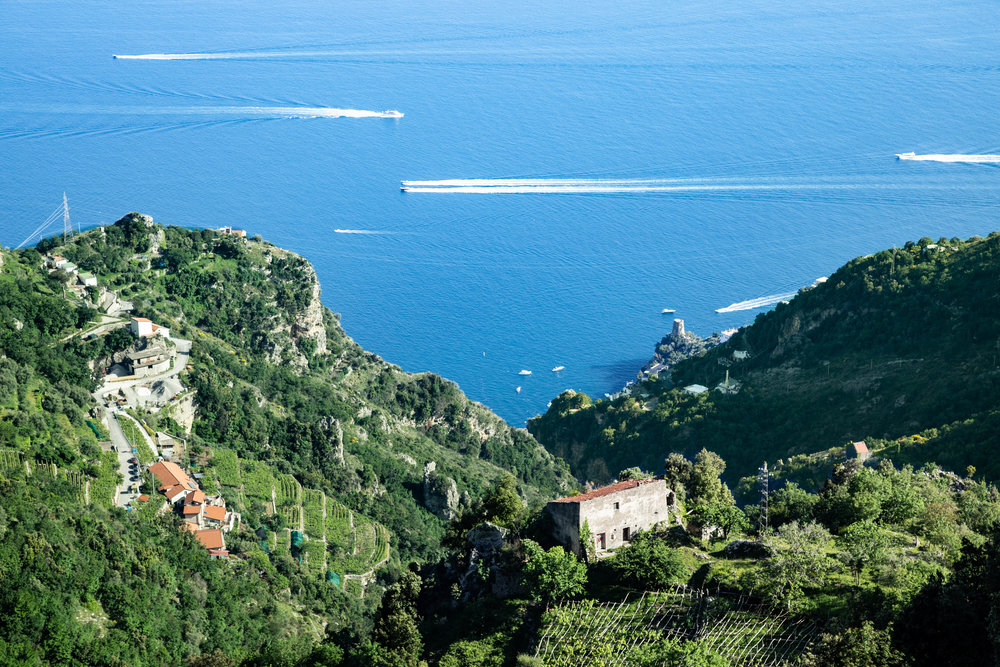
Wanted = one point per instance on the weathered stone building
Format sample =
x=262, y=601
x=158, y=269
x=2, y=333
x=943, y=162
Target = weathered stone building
x=614, y=514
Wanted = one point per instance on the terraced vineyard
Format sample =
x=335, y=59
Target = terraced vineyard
x=10, y=458
x=336, y=538
x=78, y=480
x=743, y=630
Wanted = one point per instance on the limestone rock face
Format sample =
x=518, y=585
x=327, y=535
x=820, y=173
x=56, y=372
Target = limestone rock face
x=440, y=493
x=309, y=323
x=486, y=537
x=335, y=436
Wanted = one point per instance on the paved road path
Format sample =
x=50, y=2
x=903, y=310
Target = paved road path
x=183, y=354
x=118, y=440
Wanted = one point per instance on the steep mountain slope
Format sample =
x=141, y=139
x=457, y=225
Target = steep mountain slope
x=278, y=380
x=893, y=343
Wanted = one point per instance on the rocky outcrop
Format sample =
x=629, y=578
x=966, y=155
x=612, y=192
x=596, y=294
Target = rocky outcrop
x=747, y=549
x=440, y=493
x=308, y=325
x=335, y=437
x=675, y=347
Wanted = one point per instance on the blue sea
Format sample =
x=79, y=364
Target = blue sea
x=638, y=155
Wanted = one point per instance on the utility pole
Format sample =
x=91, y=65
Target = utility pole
x=67, y=225
x=762, y=478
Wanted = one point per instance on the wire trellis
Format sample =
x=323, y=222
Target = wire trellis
x=743, y=629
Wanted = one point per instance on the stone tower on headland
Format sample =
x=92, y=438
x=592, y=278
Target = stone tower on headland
x=678, y=328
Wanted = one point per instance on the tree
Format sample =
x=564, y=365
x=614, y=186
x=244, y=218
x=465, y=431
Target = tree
x=727, y=517
x=798, y=559
x=677, y=472
x=553, y=574
x=706, y=485
x=633, y=473
x=396, y=634
x=502, y=505
x=856, y=647
x=864, y=544
x=648, y=563
x=791, y=503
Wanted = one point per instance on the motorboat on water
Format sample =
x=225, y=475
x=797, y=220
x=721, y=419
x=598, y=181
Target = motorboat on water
x=905, y=156
x=668, y=310
x=518, y=390
x=524, y=373
x=558, y=368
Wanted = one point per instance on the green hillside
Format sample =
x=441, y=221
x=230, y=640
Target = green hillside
x=892, y=344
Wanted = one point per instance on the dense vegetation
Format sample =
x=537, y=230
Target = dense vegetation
x=298, y=427
x=892, y=344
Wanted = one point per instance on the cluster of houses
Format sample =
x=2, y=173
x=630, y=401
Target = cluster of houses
x=83, y=278
x=229, y=231
x=206, y=517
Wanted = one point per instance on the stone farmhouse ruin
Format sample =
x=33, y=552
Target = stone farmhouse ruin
x=614, y=514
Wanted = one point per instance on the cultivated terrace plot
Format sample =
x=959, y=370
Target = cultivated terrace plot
x=102, y=490
x=742, y=630
x=335, y=537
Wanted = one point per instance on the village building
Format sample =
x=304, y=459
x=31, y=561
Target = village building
x=613, y=514
x=858, y=450
x=696, y=389
x=56, y=261
x=142, y=327
x=229, y=231
x=87, y=279
x=152, y=360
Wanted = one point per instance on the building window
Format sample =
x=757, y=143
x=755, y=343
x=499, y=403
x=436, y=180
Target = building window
x=626, y=535
x=616, y=505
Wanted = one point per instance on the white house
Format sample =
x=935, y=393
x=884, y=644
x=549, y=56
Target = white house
x=696, y=389
x=141, y=326
x=87, y=279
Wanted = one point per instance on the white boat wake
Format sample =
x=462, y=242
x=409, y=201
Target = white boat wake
x=950, y=157
x=593, y=185
x=759, y=302
x=359, y=231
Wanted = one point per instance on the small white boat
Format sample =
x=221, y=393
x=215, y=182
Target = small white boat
x=524, y=373
x=518, y=390
x=558, y=368
x=905, y=156
x=668, y=310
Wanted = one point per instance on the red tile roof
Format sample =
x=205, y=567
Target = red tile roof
x=605, y=491
x=141, y=319
x=169, y=474
x=860, y=447
x=143, y=498
x=191, y=509
x=215, y=512
x=195, y=497
x=210, y=538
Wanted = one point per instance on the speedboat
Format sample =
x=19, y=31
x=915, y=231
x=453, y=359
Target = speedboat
x=668, y=310
x=524, y=373
x=518, y=390
x=558, y=368
x=905, y=156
